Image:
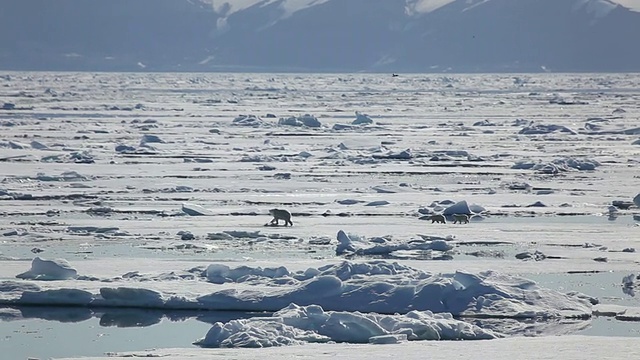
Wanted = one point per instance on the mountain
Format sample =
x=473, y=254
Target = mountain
x=321, y=35
x=104, y=34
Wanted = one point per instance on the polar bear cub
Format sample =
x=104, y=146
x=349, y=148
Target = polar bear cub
x=460, y=218
x=280, y=214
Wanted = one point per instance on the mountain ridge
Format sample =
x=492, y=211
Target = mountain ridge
x=321, y=35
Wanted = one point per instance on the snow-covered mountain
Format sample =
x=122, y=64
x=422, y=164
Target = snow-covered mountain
x=321, y=35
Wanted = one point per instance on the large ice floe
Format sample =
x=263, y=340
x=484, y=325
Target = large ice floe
x=371, y=286
x=376, y=302
x=372, y=301
x=383, y=287
x=299, y=324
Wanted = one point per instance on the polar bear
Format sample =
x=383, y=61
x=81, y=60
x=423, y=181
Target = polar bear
x=460, y=218
x=438, y=218
x=280, y=214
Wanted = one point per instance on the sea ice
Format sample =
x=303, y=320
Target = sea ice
x=304, y=120
x=195, y=210
x=42, y=269
x=395, y=155
x=538, y=129
x=373, y=286
x=299, y=324
x=354, y=245
x=458, y=208
x=220, y=273
x=148, y=139
x=378, y=286
x=629, y=314
x=64, y=176
x=248, y=120
x=125, y=149
x=216, y=162
x=349, y=201
x=362, y=119
x=558, y=165
x=377, y=203
x=38, y=145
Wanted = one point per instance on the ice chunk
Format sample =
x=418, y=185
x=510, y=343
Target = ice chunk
x=362, y=119
x=304, y=120
x=125, y=296
x=42, y=269
x=377, y=203
x=38, y=145
x=195, y=210
x=458, y=208
x=388, y=339
x=298, y=324
x=148, y=138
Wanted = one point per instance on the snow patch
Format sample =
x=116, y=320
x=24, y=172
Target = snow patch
x=418, y=7
x=597, y=8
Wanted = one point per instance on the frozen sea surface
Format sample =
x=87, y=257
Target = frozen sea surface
x=141, y=182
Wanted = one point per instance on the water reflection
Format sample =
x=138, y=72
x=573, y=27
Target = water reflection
x=119, y=317
x=629, y=290
x=123, y=318
x=61, y=314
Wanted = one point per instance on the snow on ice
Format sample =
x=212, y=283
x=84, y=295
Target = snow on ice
x=41, y=269
x=83, y=181
x=373, y=286
x=299, y=324
x=372, y=301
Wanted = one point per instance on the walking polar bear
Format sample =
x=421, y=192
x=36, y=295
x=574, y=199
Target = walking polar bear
x=438, y=218
x=460, y=218
x=280, y=214
x=457, y=219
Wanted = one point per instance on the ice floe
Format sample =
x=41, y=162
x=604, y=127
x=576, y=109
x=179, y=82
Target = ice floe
x=558, y=165
x=42, y=269
x=362, y=119
x=372, y=286
x=619, y=312
x=304, y=120
x=120, y=224
x=350, y=244
x=296, y=325
x=539, y=129
x=249, y=120
x=150, y=139
x=195, y=210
